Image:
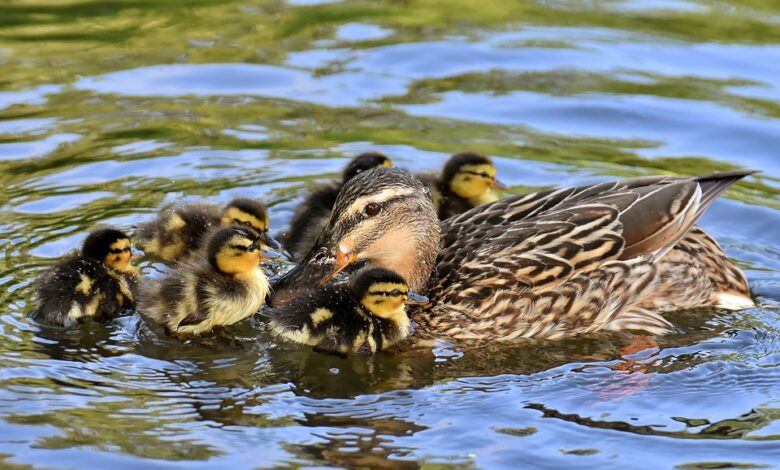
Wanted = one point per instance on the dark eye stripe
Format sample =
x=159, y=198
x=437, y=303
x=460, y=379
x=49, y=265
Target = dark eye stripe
x=392, y=293
x=240, y=247
x=484, y=175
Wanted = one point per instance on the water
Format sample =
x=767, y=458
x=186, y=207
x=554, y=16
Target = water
x=111, y=110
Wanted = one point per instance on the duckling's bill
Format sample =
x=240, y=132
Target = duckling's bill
x=416, y=299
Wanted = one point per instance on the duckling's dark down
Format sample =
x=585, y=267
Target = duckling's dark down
x=313, y=213
x=468, y=180
x=97, y=283
x=362, y=317
x=217, y=288
x=176, y=233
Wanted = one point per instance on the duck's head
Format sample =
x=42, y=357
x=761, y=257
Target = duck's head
x=110, y=246
x=251, y=214
x=383, y=217
x=234, y=250
x=384, y=293
x=364, y=162
x=472, y=177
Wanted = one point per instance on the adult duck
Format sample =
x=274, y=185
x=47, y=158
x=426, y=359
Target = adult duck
x=550, y=264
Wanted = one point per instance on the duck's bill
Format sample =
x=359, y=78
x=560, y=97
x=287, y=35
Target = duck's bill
x=342, y=261
x=416, y=299
x=269, y=241
x=496, y=184
x=267, y=254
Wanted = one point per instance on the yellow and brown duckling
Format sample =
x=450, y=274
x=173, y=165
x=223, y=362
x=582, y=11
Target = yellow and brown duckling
x=364, y=316
x=551, y=264
x=96, y=283
x=313, y=213
x=218, y=287
x=468, y=180
x=178, y=232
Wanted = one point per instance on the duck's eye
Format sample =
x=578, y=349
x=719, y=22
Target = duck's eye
x=372, y=209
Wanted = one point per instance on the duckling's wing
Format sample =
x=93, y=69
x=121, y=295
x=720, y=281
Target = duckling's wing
x=494, y=249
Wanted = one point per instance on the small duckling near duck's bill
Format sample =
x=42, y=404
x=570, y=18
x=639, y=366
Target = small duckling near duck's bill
x=97, y=283
x=364, y=316
x=178, y=232
x=313, y=213
x=468, y=180
x=218, y=289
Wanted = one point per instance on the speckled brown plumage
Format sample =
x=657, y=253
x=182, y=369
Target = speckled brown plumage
x=575, y=260
x=546, y=265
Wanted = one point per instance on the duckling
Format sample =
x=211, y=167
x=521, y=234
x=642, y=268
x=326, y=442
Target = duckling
x=218, y=287
x=178, y=232
x=313, y=213
x=468, y=180
x=94, y=284
x=364, y=316
x=553, y=264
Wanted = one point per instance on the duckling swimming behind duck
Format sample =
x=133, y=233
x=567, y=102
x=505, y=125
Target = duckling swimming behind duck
x=467, y=181
x=362, y=317
x=94, y=284
x=178, y=232
x=313, y=213
x=218, y=289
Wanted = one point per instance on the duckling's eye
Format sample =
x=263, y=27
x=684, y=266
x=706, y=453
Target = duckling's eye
x=372, y=209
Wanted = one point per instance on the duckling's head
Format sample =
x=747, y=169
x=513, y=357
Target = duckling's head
x=363, y=162
x=249, y=213
x=110, y=246
x=384, y=293
x=234, y=250
x=472, y=177
x=383, y=216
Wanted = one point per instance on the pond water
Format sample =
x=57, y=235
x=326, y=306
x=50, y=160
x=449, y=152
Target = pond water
x=110, y=111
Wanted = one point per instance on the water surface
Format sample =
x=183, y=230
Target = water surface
x=110, y=111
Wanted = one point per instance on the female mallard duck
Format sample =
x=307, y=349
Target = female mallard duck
x=178, y=232
x=95, y=284
x=363, y=316
x=218, y=288
x=468, y=180
x=545, y=265
x=313, y=213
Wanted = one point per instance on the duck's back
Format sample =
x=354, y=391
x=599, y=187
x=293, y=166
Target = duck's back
x=554, y=252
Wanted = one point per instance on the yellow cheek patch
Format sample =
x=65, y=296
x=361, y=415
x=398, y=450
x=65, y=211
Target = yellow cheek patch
x=237, y=262
x=387, y=163
x=469, y=183
x=232, y=214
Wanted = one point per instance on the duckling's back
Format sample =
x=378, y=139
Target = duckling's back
x=178, y=232
x=309, y=220
x=78, y=288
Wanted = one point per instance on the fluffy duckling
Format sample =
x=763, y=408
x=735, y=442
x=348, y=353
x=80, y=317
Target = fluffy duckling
x=94, y=284
x=178, y=232
x=364, y=316
x=313, y=213
x=468, y=180
x=220, y=287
